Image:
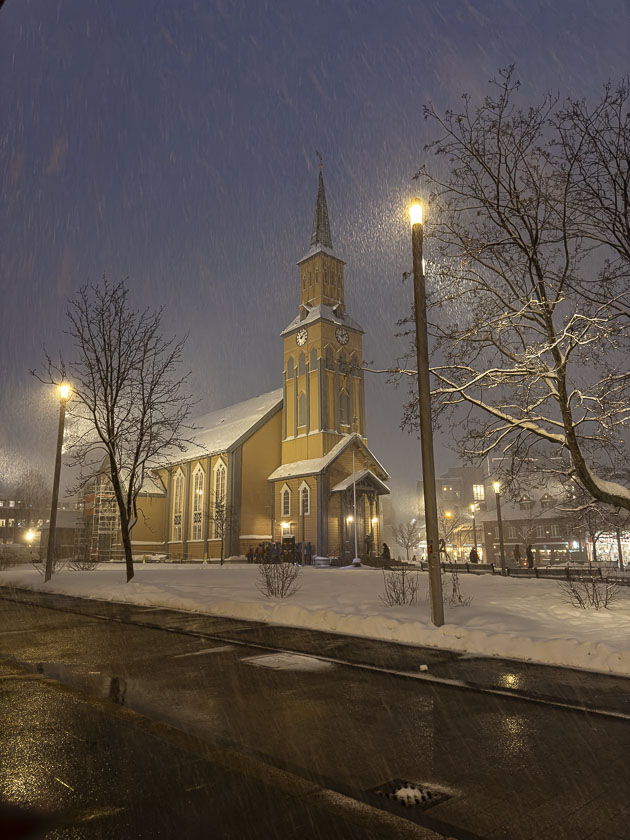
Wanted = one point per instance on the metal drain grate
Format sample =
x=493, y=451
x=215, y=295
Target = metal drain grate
x=409, y=794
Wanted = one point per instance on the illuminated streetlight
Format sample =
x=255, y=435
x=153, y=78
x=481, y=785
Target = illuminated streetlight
x=497, y=487
x=51, y=549
x=424, y=411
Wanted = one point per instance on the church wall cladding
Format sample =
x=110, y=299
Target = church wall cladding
x=148, y=532
x=294, y=520
x=261, y=456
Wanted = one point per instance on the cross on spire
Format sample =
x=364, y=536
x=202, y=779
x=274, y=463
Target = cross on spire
x=321, y=226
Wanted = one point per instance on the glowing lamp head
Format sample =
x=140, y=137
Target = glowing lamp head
x=374, y=520
x=472, y=507
x=496, y=486
x=64, y=391
x=284, y=525
x=415, y=213
x=30, y=536
x=448, y=514
x=350, y=519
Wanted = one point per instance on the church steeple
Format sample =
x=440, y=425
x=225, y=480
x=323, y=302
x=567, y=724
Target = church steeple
x=321, y=226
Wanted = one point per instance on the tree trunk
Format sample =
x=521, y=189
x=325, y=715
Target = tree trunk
x=124, y=519
x=126, y=540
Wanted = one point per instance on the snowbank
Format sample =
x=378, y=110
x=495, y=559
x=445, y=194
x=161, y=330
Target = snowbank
x=516, y=618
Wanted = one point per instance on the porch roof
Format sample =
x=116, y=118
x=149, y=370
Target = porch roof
x=358, y=476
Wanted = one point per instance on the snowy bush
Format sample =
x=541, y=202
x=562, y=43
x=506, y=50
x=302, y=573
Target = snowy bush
x=83, y=564
x=278, y=580
x=400, y=587
x=592, y=593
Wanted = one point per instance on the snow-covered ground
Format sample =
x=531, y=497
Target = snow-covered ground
x=518, y=618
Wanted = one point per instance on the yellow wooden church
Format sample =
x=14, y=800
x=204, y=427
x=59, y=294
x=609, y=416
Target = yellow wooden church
x=289, y=463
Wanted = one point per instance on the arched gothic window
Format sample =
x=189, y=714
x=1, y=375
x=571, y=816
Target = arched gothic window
x=354, y=366
x=313, y=359
x=290, y=367
x=178, y=505
x=341, y=362
x=305, y=499
x=220, y=474
x=285, y=497
x=302, y=364
x=197, y=503
x=302, y=409
x=330, y=359
x=344, y=408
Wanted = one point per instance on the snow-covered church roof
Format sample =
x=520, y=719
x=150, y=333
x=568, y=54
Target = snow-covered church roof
x=314, y=466
x=224, y=428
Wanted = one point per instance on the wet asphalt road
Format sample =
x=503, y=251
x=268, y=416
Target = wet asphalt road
x=196, y=727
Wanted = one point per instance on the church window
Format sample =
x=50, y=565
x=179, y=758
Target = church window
x=316, y=276
x=344, y=408
x=290, y=367
x=197, y=503
x=305, y=499
x=313, y=359
x=302, y=364
x=310, y=278
x=302, y=409
x=304, y=281
x=330, y=359
x=341, y=362
x=178, y=505
x=338, y=279
x=354, y=366
x=285, y=495
x=220, y=474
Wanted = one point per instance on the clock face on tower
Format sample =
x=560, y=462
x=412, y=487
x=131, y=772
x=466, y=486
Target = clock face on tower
x=342, y=335
x=301, y=336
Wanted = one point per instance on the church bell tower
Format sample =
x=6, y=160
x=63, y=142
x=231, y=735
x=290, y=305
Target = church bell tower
x=323, y=353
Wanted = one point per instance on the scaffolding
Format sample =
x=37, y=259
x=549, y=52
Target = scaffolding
x=99, y=539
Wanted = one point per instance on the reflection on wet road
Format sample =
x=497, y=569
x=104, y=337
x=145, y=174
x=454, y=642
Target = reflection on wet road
x=509, y=768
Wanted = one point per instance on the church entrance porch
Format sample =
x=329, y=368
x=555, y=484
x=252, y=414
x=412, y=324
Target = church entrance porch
x=366, y=488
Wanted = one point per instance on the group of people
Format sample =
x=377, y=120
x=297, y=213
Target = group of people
x=268, y=552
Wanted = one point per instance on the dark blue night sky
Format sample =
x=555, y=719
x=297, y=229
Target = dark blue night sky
x=173, y=143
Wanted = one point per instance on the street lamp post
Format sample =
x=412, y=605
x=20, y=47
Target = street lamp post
x=51, y=550
x=497, y=488
x=472, y=508
x=354, y=504
x=426, y=429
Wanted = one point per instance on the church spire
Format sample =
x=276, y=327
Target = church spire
x=321, y=226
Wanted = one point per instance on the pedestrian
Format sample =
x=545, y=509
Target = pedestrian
x=259, y=553
x=473, y=556
x=308, y=554
x=530, y=557
x=250, y=554
x=385, y=554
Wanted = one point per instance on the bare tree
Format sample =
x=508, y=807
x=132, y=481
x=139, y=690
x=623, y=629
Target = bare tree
x=407, y=536
x=128, y=401
x=33, y=489
x=529, y=235
x=222, y=519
